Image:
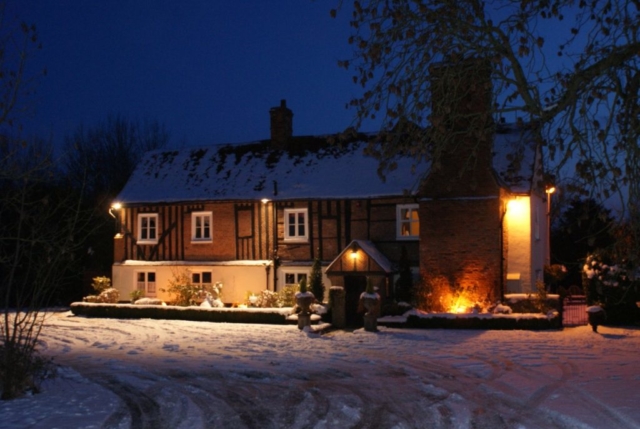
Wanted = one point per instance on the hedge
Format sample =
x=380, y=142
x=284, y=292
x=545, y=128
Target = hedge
x=226, y=315
x=495, y=322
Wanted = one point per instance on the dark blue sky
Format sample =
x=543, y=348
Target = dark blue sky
x=209, y=70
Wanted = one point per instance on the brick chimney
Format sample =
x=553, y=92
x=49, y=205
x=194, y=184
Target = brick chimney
x=462, y=130
x=281, y=125
x=460, y=235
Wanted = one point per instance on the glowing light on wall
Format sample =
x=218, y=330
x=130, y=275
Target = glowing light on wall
x=517, y=207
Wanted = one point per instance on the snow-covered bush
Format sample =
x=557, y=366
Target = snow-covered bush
x=136, y=295
x=602, y=277
x=187, y=293
x=611, y=284
x=148, y=301
x=107, y=296
x=99, y=284
x=287, y=296
x=211, y=301
x=267, y=298
x=501, y=309
x=104, y=292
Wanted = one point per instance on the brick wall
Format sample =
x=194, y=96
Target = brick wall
x=460, y=240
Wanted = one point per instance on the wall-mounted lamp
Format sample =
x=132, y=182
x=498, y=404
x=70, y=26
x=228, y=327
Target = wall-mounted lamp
x=354, y=251
x=114, y=206
x=264, y=200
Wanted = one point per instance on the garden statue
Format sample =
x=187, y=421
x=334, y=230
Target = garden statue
x=370, y=302
x=304, y=299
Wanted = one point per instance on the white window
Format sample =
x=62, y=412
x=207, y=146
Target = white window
x=201, y=278
x=408, y=223
x=201, y=226
x=146, y=282
x=148, y=228
x=292, y=277
x=295, y=225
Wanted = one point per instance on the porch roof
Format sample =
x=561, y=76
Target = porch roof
x=370, y=249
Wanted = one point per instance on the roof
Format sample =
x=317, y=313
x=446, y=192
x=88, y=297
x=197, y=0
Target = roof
x=321, y=170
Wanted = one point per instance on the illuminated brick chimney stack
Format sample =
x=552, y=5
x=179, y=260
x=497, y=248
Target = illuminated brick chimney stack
x=281, y=125
x=460, y=216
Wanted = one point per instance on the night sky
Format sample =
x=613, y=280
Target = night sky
x=208, y=70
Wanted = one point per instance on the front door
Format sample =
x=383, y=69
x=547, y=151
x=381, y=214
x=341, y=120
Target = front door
x=354, y=286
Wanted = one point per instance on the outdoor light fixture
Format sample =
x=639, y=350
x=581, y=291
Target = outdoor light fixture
x=516, y=207
x=354, y=251
x=264, y=200
x=550, y=189
x=114, y=206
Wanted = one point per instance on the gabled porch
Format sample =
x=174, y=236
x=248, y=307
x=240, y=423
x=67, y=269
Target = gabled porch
x=358, y=261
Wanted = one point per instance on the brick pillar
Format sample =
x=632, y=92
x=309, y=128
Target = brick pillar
x=337, y=300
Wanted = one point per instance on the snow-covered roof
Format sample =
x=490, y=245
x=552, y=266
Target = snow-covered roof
x=317, y=170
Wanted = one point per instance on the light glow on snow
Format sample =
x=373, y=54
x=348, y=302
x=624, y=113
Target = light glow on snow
x=137, y=373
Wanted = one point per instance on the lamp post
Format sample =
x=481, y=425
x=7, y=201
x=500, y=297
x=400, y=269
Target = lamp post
x=549, y=190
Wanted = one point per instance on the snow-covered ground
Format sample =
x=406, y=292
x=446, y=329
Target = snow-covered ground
x=179, y=374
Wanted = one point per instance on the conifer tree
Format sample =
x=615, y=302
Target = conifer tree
x=315, y=280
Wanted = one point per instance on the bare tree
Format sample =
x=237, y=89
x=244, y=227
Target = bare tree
x=570, y=67
x=39, y=219
x=39, y=225
x=116, y=146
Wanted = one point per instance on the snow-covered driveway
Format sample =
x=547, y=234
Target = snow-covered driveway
x=179, y=374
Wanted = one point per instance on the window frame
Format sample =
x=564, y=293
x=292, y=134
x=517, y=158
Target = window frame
x=298, y=238
x=413, y=207
x=296, y=272
x=202, y=215
x=201, y=274
x=156, y=229
x=148, y=292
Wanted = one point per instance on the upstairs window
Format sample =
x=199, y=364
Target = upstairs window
x=201, y=226
x=148, y=228
x=408, y=223
x=296, y=225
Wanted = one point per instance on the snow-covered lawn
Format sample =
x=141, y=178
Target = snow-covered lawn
x=180, y=374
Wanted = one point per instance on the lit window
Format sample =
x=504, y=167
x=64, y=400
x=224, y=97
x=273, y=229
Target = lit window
x=146, y=282
x=148, y=228
x=295, y=225
x=408, y=223
x=201, y=226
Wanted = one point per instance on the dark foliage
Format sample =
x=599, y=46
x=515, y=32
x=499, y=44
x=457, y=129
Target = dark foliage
x=583, y=228
x=404, y=283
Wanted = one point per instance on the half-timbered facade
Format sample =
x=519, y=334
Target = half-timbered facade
x=255, y=216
